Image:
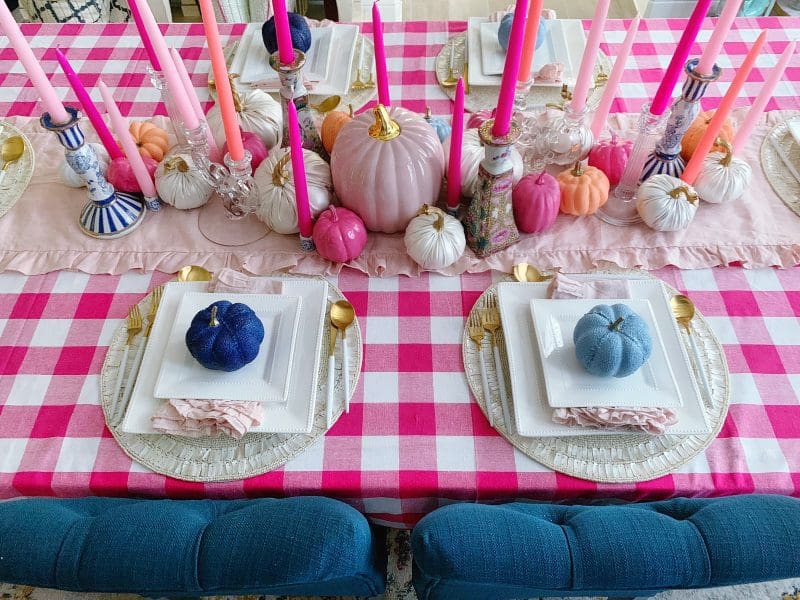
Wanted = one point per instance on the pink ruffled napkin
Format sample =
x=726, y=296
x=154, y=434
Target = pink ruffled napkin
x=200, y=418
x=650, y=420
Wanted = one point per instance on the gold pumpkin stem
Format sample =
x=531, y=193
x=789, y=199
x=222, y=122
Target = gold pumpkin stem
x=577, y=170
x=279, y=174
x=214, y=322
x=725, y=161
x=615, y=325
x=427, y=113
x=350, y=108
x=686, y=192
x=384, y=128
x=176, y=163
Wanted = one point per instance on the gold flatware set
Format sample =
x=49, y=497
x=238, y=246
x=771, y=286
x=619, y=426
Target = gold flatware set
x=342, y=315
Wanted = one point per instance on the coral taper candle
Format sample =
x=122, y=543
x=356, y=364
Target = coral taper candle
x=194, y=100
x=381, y=76
x=120, y=125
x=299, y=172
x=227, y=109
x=89, y=109
x=51, y=102
x=456, y=140
x=508, y=85
x=663, y=97
x=529, y=40
x=585, y=78
x=601, y=114
x=764, y=95
x=723, y=110
x=714, y=45
x=282, y=32
x=146, y=43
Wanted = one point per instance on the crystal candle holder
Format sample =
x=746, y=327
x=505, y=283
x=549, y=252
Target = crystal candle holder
x=566, y=140
x=160, y=83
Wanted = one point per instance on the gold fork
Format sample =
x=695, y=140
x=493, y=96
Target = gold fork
x=476, y=334
x=134, y=327
x=490, y=319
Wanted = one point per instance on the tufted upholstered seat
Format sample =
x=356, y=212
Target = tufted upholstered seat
x=521, y=550
x=299, y=546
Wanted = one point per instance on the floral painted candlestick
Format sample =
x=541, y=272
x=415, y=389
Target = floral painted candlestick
x=293, y=89
x=489, y=221
x=109, y=213
x=666, y=158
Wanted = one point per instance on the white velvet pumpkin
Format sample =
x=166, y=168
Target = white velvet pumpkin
x=275, y=180
x=179, y=184
x=666, y=203
x=434, y=240
x=258, y=113
x=472, y=153
x=72, y=179
x=722, y=177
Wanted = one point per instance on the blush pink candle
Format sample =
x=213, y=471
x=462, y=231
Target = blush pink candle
x=120, y=125
x=285, y=47
x=299, y=172
x=89, y=108
x=714, y=45
x=381, y=76
x=194, y=100
x=585, y=78
x=663, y=97
x=508, y=85
x=50, y=100
x=456, y=140
x=146, y=43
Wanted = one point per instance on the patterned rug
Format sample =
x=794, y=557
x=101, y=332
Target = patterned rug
x=398, y=585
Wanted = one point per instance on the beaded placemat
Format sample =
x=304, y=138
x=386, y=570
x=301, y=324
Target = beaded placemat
x=18, y=174
x=786, y=186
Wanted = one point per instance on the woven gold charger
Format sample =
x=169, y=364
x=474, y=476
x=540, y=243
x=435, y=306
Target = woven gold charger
x=19, y=173
x=779, y=141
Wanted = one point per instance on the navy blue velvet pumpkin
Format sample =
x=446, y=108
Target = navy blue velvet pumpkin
x=225, y=336
x=301, y=34
x=612, y=341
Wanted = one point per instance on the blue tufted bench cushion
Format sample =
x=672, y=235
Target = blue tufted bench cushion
x=521, y=550
x=303, y=546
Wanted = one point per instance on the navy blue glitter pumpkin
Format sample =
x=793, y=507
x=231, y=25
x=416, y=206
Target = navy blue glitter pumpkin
x=300, y=32
x=225, y=336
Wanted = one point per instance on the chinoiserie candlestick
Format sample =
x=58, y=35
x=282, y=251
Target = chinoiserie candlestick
x=108, y=214
x=489, y=221
x=666, y=158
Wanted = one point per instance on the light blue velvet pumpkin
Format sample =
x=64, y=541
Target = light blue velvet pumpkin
x=298, y=28
x=225, y=336
x=440, y=126
x=612, y=341
x=504, y=32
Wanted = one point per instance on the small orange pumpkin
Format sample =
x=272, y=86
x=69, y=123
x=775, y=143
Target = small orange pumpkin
x=152, y=141
x=332, y=125
x=583, y=190
x=696, y=131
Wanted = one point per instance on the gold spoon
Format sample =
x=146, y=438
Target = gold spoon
x=683, y=309
x=11, y=151
x=194, y=273
x=342, y=316
x=524, y=272
x=327, y=105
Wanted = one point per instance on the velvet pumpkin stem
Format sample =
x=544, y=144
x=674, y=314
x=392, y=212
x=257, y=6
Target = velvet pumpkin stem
x=615, y=325
x=214, y=322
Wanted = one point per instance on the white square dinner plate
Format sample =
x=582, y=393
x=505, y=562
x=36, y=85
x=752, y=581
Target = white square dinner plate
x=532, y=412
x=265, y=379
x=256, y=59
x=568, y=384
x=296, y=415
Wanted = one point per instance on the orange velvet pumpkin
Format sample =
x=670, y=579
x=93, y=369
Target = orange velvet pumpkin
x=152, y=141
x=583, y=190
x=332, y=125
x=696, y=130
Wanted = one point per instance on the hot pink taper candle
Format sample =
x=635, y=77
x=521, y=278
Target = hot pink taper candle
x=508, y=84
x=146, y=43
x=89, y=108
x=381, y=76
x=194, y=101
x=695, y=163
x=764, y=95
x=282, y=32
x=299, y=172
x=529, y=40
x=50, y=100
x=456, y=140
x=714, y=45
x=120, y=125
x=663, y=97
x=585, y=78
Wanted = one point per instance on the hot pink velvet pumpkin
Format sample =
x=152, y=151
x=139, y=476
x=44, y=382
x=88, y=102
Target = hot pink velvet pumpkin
x=536, y=200
x=611, y=157
x=386, y=165
x=120, y=174
x=253, y=143
x=339, y=234
x=477, y=119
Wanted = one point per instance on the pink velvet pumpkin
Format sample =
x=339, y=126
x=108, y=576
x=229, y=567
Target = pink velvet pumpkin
x=120, y=174
x=339, y=234
x=253, y=143
x=611, y=157
x=536, y=200
x=477, y=119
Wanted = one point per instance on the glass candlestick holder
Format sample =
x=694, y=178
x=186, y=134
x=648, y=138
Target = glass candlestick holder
x=565, y=140
x=108, y=214
x=160, y=83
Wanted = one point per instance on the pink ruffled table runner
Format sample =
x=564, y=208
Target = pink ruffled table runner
x=40, y=234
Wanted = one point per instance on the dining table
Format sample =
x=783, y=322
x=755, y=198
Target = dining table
x=414, y=438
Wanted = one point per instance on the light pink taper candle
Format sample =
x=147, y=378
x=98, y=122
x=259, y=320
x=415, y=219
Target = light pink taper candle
x=146, y=43
x=585, y=78
x=601, y=114
x=50, y=101
x=381, y=76
x=194, y=100
x=299, y=173
x=89, y=109
x=282, y=33
x=456, y=140
x=120, y=125
x=508, y=84
x=714, y=45
x=753, y=115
